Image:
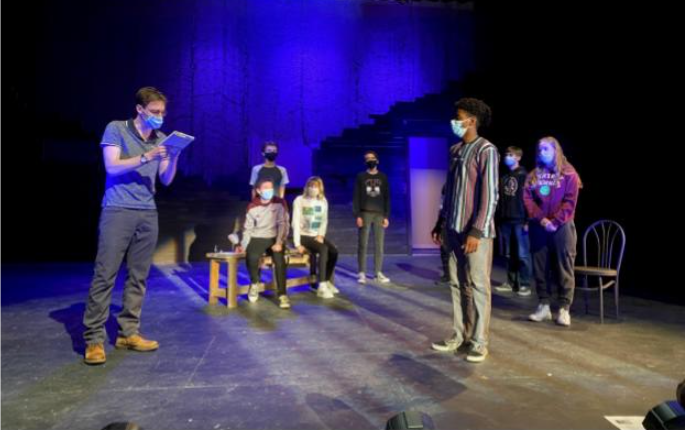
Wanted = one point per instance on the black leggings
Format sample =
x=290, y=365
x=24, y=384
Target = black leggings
x=328, y=255
x=258, y=247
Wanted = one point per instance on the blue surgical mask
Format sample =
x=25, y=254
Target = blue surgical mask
x=267, y=194
x=155, y=122
x=458, y=128
x=509, y=161
x=546, y=157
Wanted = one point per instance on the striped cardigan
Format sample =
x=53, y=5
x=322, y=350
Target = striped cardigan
x=472, y=188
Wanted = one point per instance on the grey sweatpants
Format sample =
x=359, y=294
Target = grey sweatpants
x=554, y=256
x=470, y=284
x=375, y=220
x=122, y=232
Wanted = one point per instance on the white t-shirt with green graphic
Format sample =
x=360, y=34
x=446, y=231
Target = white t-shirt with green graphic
x=310, y=217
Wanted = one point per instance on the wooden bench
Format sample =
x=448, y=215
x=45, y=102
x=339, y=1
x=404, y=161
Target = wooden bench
x=230, y=293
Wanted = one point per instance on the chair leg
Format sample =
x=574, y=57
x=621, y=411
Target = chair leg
x=616, y=297
x=601, y=301
x=274, y=280
x=586, y=295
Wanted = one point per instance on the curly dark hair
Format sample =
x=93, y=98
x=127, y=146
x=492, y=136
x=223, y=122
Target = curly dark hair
x=477, y=108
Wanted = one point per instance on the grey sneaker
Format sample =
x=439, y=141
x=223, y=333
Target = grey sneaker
x=541, y=313
x=253, y=293
x=361, y=278
x=564, y=318
x=477, y=354
x=447, y=345
x=381, y=278
x=504, y=288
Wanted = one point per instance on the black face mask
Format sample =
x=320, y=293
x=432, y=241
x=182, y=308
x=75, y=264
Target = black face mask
x=271, y=156
x=371, y=164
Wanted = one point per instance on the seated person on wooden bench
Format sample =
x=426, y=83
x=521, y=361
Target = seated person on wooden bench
x=266, y=231
x=310, y=220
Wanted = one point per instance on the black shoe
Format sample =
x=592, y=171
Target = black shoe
x=477, y=354
x=448, y=345
x=524, y=292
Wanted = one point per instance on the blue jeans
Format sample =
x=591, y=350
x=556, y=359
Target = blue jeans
x=516, y=249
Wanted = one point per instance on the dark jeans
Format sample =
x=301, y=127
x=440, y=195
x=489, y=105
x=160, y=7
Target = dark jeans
x=554, y=255
x=327, y=255
x=258, y=247
x=371, y=220
x=122, y=232
x=516, y=249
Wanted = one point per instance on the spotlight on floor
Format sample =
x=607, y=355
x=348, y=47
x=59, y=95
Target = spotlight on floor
x=410, y=420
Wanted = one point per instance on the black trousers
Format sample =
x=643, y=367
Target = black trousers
x=258, y=247
x=327, y=253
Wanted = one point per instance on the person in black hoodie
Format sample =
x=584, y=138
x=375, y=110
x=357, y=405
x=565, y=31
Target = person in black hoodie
x=513, y=225
x=371, y=208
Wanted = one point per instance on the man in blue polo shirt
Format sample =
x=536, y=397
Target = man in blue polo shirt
x=128, y=222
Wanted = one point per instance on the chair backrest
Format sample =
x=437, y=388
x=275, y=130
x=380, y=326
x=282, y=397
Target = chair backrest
x=607, y=241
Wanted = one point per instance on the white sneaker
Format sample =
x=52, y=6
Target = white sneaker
x=381, y=278
x=284, y=302
x=361, y=278
x=541, y=313
x=324, y=291
x=332, y=288
x=564, y=317
x=253, y=293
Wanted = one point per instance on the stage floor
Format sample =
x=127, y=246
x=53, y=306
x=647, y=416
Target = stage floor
x=347, y=363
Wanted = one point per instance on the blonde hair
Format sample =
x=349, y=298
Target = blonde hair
x=561, y=164
x=314, y=180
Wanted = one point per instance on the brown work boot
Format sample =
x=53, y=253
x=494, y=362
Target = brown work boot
x=95, y=354
x=136, y=343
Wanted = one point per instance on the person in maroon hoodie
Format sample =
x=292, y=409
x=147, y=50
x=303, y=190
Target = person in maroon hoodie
x=550, y=196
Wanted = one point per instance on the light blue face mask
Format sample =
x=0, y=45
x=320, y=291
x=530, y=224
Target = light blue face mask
x=509, y=161
x=267, y=194
x=155, y=122
x=546, y=157
x=458, y=128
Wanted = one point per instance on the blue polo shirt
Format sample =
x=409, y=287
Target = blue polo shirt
x=135, y=189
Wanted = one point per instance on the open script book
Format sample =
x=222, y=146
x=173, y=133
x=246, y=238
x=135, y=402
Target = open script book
x=177, y=140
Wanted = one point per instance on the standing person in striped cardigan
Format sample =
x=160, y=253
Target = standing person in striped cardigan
x=471, y=195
